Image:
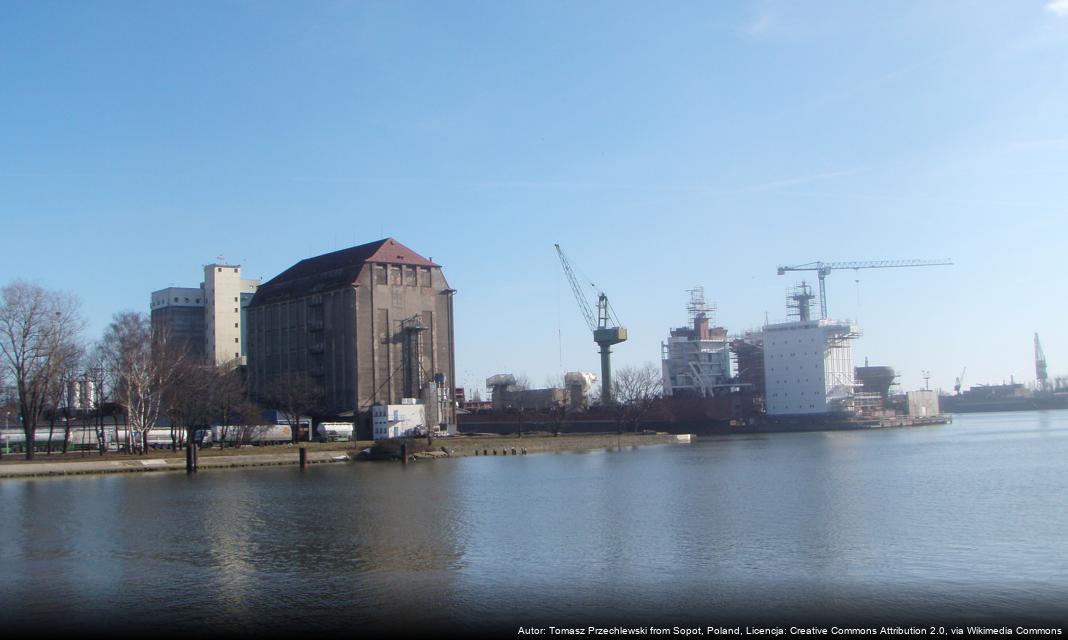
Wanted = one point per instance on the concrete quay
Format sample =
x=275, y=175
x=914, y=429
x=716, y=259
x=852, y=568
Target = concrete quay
x=140, y=465
x=455, y=446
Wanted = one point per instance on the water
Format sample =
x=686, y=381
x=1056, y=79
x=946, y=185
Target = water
x=961, y=523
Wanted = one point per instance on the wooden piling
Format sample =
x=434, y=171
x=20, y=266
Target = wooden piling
x=404, y=453
x=190, y=458
x=303, y=458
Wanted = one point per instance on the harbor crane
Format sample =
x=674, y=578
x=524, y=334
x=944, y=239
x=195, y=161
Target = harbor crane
x=960, y=381
x=823, y=269
x=1041, y=376
x=604, y=325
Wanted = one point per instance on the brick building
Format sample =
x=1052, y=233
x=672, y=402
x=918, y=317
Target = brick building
x=368, y=325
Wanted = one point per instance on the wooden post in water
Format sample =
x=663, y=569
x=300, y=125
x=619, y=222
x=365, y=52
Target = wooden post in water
x=404, y=453
x=191, y=457
x=303, y=458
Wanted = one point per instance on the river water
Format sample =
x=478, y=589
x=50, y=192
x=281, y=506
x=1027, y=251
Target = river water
x=960, y=523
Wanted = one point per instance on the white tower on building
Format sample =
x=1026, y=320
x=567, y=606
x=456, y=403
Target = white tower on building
x=210, y=319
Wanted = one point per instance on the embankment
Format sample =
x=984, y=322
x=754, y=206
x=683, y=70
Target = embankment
x=324, y=454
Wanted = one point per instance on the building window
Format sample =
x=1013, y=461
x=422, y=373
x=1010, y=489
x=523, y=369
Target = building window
x=236, y=311
x=220, y=269
x=235, y=270
x=237, y=339
x=424, y=277
x=395, y=276
x=235, y=325
x=176, y=299
x=235, y=299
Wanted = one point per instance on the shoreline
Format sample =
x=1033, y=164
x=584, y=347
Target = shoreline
x=455, y=446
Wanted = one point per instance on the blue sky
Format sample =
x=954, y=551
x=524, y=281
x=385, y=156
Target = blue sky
x=664, y=145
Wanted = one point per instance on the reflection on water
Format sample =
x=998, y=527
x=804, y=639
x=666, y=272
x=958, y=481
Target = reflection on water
x=965, y=519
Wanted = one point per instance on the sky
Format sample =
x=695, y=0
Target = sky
x=663, y=145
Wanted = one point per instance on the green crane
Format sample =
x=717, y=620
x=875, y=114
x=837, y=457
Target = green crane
x=604, y=324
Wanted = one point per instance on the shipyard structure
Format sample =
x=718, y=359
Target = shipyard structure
x=793, y=375
x=799, y=372
x=367, y=332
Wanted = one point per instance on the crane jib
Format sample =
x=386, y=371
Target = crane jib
x=823, y=269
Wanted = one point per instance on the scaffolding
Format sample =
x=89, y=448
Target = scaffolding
x=696, y=358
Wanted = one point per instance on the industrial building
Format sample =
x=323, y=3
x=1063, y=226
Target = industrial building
x=577, y=394
x=696, y=359
x=368, y=325
x=808, y=367
x=404, y=420
x=209, y=321
x=748, y=350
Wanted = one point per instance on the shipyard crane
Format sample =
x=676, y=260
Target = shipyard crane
x=604, y=335
x=960, y=381
x=1041, y=377
x=823, y=269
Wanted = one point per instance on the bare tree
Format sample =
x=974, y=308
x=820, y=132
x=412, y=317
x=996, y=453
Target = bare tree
x=145, y=365
x=67, y=361
x=558, y=415
x=228, y=394
x=635, y=391
x=248, y=420
x=102, y=381
x=74, y=375
x=295, y=395
x=188, y=401
x=37, y=330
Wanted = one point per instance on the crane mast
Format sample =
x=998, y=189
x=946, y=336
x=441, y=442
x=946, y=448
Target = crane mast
x=604, y=334
x=823, y=269
x=1041, y=376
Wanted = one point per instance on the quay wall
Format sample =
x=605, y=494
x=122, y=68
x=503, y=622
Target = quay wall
x=455, y=446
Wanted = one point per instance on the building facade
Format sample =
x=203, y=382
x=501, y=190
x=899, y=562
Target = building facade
x=808, y=367
x=209, y=320
x=368, y=325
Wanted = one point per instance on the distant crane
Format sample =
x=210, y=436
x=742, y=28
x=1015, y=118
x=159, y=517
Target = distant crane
x=1041, y=376
x=823, y=269
x=604, y=335
x=960, y=381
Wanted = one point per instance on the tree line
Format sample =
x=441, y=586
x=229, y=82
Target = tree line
x=136, y=372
